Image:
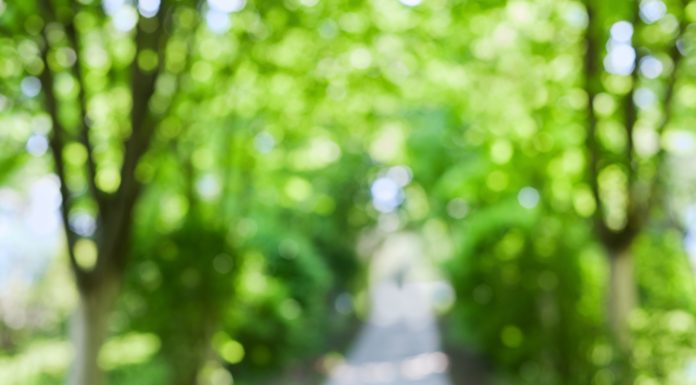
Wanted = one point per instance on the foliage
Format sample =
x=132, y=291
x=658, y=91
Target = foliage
x=233, y=144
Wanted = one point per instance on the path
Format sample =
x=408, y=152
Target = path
x=399, y=345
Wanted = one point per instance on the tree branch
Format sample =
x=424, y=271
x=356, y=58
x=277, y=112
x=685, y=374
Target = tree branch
x=591, y=71
x=631, y=114
x=57, y=144
x=635, y=213
x=84, y=130
x=118, y=218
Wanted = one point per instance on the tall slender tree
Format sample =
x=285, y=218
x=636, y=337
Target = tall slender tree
x=98, y=281
x=623, y=209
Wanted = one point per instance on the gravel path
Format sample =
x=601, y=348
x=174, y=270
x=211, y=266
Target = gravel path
x=399, y=343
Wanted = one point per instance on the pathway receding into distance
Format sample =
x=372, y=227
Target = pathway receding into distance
x=400, y=342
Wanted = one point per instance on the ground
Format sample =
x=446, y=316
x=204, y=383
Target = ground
x=400, y=342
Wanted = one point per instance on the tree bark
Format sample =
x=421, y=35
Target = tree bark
x=89, y=331
x=187, y=367
x=622, y=297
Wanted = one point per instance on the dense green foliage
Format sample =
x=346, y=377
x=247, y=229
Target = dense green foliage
x=239, y=140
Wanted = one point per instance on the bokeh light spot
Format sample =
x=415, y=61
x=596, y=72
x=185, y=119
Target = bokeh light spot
x=528, y=197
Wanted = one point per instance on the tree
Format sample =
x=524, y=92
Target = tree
x=98, y=260
x=625, y=182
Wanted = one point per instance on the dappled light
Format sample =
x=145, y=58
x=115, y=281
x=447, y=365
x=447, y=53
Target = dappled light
x=348, y=192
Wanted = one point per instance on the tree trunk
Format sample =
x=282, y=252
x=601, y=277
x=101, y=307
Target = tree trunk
x=187, y=352
x=622, y=296
x=622, y=302
x=89, y=330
